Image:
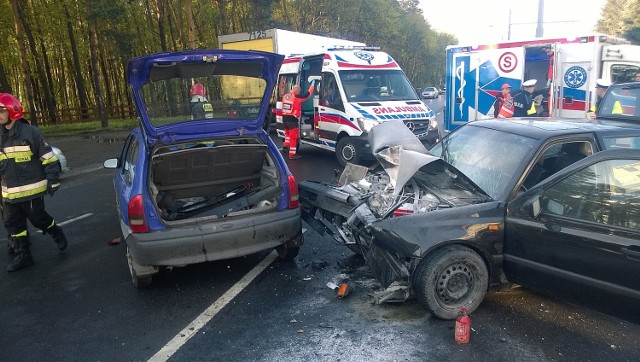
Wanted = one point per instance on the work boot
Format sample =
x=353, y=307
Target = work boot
x=58, y=236
x=11, y=246
x=23, y=257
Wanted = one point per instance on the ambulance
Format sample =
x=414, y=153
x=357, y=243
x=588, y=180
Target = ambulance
x=359, y=88
x=566, y=70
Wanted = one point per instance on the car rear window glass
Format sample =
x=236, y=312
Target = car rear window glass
x=627, y=142
x=185, y=97
x=622, y=103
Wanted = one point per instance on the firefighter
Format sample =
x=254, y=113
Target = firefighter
x=29, y=170
x=291, y=112
x=200, y=106
x=522, y=102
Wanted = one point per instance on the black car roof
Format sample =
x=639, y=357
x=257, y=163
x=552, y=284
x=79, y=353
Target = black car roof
x=543, y=129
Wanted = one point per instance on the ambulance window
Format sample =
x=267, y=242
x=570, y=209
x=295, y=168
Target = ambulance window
x=329, y=93
x=285, y=83
x=623, y=73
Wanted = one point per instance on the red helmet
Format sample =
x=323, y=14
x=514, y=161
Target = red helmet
x=10, y=103
x=197, y=90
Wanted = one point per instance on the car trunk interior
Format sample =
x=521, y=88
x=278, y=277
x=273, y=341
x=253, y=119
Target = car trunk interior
x=213, y=179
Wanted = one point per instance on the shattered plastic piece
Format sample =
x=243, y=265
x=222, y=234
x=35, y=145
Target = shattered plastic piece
x=332, y=285
x=306, y=279
x=319, y=264
x=293, y=321
x=300, y=331
x=115, y=241
x=343, y=290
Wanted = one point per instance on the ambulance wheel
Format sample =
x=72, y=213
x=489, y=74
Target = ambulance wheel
x=346, y=152
x=451, y=278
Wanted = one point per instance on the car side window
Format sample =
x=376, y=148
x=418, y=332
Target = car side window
x=607, y=192
x=556, y=157
x=129, y=160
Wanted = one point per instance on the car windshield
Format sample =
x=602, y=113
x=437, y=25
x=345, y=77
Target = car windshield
x=621, y=103
x=429, y=89
x=490, y=158
x=212, y=96
x=376, y=85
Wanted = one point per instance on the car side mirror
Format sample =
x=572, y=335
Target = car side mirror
x=534, y=206
x=111, y=163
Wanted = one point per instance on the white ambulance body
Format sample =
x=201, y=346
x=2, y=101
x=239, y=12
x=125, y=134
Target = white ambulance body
x=475, y=74
x=360, y=87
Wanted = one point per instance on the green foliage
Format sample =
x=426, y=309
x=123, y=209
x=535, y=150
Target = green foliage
x=129, y=28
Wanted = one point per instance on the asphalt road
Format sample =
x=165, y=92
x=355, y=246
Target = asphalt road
x=80, y=304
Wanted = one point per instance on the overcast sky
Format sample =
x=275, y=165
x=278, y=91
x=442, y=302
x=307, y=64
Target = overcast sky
x=486, y=21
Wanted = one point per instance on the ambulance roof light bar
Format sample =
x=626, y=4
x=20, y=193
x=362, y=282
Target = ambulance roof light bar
x=352, y=47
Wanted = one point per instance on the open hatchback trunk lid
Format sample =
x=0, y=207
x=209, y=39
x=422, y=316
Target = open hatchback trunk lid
x=199, y=93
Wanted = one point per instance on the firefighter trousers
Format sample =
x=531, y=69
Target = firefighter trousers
x=15, y=215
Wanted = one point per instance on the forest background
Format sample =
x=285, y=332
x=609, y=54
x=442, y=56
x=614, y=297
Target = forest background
x=66, y=59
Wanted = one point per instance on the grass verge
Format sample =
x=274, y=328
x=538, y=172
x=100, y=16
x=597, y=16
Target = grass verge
x=70, y=129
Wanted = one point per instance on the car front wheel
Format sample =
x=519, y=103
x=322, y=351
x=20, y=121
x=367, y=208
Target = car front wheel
x=346, y=151
x=451, y=278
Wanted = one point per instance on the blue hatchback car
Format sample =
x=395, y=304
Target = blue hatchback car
x=200, y=180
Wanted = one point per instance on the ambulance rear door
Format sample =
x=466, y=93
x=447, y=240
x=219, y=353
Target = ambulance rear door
x=478, y=76
x=575, y=71
x=310, y=68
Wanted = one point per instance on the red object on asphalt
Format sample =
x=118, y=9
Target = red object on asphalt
x=463, y=327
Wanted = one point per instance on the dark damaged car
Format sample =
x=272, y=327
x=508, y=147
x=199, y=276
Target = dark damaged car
x=495, y=203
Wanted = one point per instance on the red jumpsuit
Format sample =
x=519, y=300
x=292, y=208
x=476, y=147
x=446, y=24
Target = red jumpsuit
x=291, y=111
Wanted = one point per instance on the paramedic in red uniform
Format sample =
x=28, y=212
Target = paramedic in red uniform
x=291, y=112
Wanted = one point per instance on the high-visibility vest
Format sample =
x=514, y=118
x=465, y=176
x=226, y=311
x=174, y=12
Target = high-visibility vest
x=506, y=110
x=532, y=110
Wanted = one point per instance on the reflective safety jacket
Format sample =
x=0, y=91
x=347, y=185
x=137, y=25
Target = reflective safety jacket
x=292, y=103
x=27, y=162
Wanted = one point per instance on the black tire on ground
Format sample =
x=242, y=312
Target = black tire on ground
x=138, y=282
x=452, y=277
x=287, y=252
x=346, y=152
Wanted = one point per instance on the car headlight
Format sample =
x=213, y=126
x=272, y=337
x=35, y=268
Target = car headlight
x=367, y=124
x=433, y=123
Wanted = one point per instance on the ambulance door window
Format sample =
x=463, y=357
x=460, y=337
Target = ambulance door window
x=623, y=73
x=285, y=83
x=329, y=92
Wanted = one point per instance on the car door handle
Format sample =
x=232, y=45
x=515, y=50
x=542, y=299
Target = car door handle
x=632, y=251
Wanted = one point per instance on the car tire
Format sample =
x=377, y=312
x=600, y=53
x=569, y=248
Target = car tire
x=346, y=152
x=449, y=279
x=138, y=282
x=287, y=252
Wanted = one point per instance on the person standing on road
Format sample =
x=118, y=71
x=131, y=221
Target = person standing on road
x=200, y=106
x=522, y=102
x=503, y=106
x=29, y=169
x=291, y=112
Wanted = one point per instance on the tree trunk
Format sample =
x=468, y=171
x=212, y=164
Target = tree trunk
x=77, y=68
x=22, y=52
x=49, y=101
x=161, y=31
x=5, y=87
x=95, y=72
x=192, y=27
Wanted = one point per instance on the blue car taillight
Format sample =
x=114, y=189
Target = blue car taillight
x=135, y=211
x=293, y=192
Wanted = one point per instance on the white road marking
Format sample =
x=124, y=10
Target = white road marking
x=75, y=219
x=71, y=220
x=190, y=330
